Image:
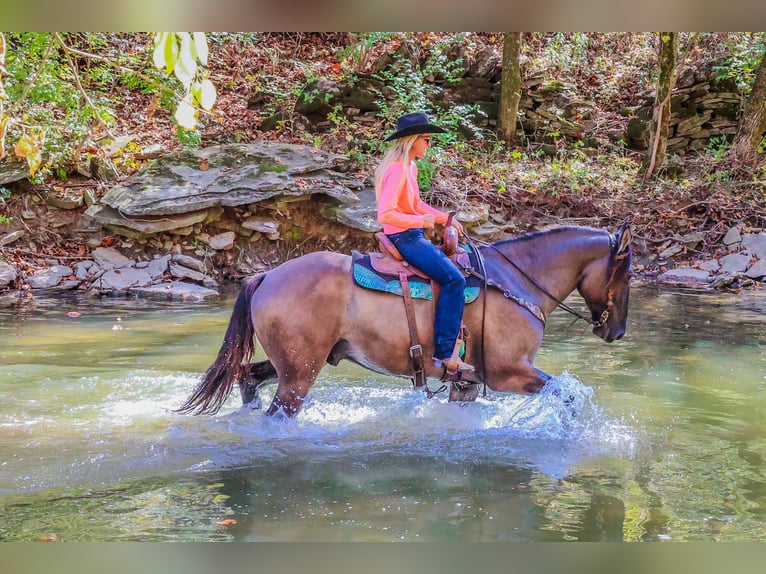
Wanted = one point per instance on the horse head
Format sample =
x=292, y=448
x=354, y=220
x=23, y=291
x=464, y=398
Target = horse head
x=605, y=287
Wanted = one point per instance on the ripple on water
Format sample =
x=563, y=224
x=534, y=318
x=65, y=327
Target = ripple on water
x=350, y=419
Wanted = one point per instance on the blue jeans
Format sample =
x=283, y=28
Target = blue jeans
x=420, y=252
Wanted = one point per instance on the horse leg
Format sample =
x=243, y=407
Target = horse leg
x=260, y=374
x=295, y=380
x=463, y=392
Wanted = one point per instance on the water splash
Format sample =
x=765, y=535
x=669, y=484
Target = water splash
x=351, y=419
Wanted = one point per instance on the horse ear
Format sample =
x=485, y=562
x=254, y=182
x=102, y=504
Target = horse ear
x=625, y=236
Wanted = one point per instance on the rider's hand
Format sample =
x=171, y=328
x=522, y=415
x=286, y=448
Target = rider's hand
x=428, y=221
x=457, y=225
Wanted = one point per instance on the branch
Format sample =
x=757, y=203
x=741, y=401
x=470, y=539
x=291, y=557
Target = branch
x=149, y=80
x=85, y=95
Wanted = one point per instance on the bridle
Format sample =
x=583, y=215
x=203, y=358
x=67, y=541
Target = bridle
x=534, y=309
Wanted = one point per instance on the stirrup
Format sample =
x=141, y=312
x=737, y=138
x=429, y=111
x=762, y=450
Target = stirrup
x=454, y=365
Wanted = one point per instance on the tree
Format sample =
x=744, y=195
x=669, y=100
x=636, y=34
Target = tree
x=752, y=126
x=658, y=141
x=41, y=71
x=510, y=87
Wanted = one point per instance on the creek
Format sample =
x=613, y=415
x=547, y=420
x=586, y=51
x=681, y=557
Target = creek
x=666, y=438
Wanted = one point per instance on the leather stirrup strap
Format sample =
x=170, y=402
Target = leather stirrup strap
x=416, y=350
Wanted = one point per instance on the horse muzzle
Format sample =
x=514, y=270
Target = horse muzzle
x=607, y=334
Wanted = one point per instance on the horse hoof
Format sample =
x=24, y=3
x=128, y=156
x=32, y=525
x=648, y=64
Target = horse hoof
x=255, y=404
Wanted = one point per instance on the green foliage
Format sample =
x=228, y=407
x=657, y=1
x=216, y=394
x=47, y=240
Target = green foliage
x=719, y=148
x=42, y=93
x=184, y=55
x=4, y=194
x=426, y=171
x=63, y=90
x=743, y=60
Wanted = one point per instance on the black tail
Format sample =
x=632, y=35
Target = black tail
x=230, y=365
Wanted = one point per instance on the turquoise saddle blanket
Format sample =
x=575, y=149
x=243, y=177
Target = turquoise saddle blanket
x=367, y=277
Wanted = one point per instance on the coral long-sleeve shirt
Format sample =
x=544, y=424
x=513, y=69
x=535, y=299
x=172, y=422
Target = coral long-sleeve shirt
x=399, y=205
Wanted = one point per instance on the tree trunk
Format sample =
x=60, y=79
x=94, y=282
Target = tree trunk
x=510, y=87
x=753, y=122
x=658, y=141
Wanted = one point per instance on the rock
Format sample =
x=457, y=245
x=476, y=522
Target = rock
x=64, y=199
x=103, y=169
x=732, y=237
x=473, y=214
x=145, y=225
x=710, y=265
x=671, y=251
x=692, y=240
x=489, y=230
x=261, y=224
x=176, y=290
x=757, y=271
x=82, y=270
x=50, y=277
x=230, y=175
x=10, y=172
x=755, y=244
x=156, y=268
x=123, y=279
x=180, y=272
x=190, y=262
x=7, y=274
x=9, y=238
x=734, y=263
x=685, y=277
x=362, y=215
x=222, y=241
x=109, y=258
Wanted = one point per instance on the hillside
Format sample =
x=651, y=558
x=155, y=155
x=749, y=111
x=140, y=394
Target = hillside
x=590, y=176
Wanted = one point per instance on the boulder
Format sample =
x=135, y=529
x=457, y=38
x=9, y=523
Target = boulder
x=685, y=277
x=755, y=243
x=123, y=279
x=175, y=290
x=229, y=175
x=732, y=237
x=7, y=274
x=362, y=215
x=9, y=238
x=109, y=258
x=48, y=278
x=734, y=263
x=757, y=271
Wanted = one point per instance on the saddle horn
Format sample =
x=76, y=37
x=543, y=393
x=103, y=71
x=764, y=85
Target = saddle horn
x=450, y=236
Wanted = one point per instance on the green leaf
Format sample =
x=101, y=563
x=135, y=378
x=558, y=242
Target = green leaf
x=207, y=95
x=186, y=67
x=186, y=114
x=171, y=52
x=159, y=50
x=200, y=47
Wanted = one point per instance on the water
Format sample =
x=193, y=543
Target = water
x=661, y=438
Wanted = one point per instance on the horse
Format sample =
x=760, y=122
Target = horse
x=308, y=312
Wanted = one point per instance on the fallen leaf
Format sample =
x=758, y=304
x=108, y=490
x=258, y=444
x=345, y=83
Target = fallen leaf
x=226, y=522
x=48, y=539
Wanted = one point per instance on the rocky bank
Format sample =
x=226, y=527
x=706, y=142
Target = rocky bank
x=192, y=219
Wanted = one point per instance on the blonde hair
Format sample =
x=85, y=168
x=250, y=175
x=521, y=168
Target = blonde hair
x=399, y=151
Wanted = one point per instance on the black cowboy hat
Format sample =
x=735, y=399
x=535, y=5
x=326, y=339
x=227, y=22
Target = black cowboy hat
x=414, y=123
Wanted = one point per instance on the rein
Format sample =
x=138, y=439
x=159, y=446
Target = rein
x=536, y=311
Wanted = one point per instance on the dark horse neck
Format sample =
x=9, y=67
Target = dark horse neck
x=546, y=266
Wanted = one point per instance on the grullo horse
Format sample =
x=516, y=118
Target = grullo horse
x=308, y=312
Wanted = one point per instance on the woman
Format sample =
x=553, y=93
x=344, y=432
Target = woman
x=404, y=217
